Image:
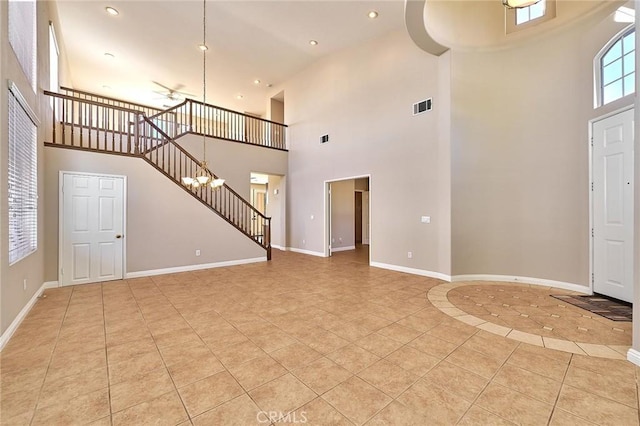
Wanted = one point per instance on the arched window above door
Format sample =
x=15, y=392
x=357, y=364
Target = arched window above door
x=615, y=68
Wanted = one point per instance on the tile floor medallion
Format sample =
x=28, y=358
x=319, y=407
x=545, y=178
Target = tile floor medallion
x=317, y=341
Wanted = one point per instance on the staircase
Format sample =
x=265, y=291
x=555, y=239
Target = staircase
x=88, y=122
x=193, y=117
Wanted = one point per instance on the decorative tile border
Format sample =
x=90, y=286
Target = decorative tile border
x=438, y=298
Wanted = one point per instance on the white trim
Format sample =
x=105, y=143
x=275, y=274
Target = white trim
x=309, y=252
x=23, y=102
x=414, y=271
x=633, y=356
x=327, y=213
x=524, y=280
x=592, y=122
x=61, y=174
x=4, y=339
x=188, y=268
x=334, y=249
x=275, y=246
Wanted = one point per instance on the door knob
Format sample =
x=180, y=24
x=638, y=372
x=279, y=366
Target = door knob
x=118, y=236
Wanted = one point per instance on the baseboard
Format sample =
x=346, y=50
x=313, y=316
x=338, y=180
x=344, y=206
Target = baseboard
x=4, y=339
x=414, y=271
x=275, y=246
x=524, y=280
x=633, y=356
x=347, y=248
x=188, y=268
x=309, y=252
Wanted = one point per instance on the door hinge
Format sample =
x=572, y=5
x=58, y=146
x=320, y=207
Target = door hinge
x=591, y=186
x=592, y=233
x=593, y=278
x=61, y=271
x=592, y=141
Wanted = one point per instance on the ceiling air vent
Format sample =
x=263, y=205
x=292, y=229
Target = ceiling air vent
x=422, y=106
x=324, y=138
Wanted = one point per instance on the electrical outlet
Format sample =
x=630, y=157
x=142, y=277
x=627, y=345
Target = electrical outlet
x=409, y=254
x=197, y=252
x=24, y=284
x=304, y=242
x=333, y=240
x=340, y=239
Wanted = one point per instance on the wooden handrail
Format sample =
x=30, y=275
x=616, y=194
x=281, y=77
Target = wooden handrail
x=82, y=92
x=125, y=131
x=194, y=159
x=235, y=126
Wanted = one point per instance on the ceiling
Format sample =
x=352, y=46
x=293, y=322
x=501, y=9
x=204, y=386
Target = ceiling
x=247, y=40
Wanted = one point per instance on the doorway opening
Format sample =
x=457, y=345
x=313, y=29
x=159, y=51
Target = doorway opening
x=612, y=205
x=348, y=217
x=268, y=196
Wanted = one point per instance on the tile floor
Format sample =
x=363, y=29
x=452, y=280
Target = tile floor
x=300, y=339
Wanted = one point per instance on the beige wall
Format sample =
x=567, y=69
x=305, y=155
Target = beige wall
x=362, y=97
x=521, y=155
x=343, y=210
x=235, y=161
x=164, y=224
x=277, y=210
x=12, y=295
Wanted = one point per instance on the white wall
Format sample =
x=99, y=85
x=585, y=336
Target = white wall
x=362, y=97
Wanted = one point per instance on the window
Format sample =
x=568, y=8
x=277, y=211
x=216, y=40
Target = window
x=530, y=13
x=54, y=84
x=23, y=178
x=530, y=16
x=22, y=35
x=616, y=68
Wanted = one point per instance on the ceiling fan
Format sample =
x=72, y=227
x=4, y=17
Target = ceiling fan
x=171, y=94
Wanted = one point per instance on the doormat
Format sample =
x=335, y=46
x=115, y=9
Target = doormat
x=613, y=309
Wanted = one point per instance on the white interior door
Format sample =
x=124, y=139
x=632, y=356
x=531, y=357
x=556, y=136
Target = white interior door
x=92, y=223
x=365, y=217
x=613, y=206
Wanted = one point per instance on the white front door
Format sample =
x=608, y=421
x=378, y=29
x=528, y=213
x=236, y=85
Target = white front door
x=613, y=206
x=92, y=228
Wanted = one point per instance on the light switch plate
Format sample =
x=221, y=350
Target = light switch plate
x=425, y=219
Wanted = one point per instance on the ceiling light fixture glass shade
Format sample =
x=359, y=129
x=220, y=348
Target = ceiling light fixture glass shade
x=203, y=176
x=517, y=4
x=112, y=11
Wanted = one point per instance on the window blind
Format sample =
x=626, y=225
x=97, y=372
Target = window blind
x=22, y=35
x=23, y=180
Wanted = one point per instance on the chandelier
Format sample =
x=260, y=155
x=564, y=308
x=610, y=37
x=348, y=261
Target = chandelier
x=517, y=4
x=203, y=176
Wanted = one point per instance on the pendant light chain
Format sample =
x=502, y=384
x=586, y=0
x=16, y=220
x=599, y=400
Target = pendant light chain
x=204, y=72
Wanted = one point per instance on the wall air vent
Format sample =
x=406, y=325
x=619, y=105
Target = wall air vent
x=422, y=106
x=324, y=138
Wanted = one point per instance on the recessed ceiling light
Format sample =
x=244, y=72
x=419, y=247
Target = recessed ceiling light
x=106, y=87
x=373, y=14
x=269, y=85
x=313, y=42
x=111, y=11
x=203, y=47
x=239, y=97
x=256, y=81
x=109, y=55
